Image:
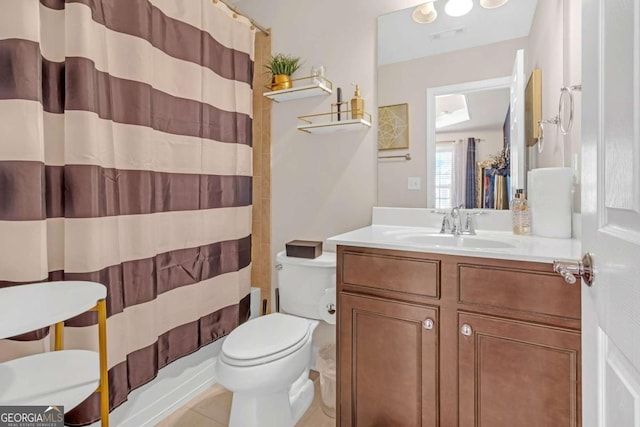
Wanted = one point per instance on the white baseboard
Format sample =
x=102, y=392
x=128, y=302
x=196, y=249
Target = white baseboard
x=175, y=385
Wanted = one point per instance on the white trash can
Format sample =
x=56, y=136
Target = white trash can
x=326, y=365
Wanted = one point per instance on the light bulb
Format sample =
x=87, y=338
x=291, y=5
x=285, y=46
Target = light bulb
x=492, y=4
x=458, y=7
x=425, y=13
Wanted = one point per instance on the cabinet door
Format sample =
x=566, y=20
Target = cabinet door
x=388, y=361
x=517, y=374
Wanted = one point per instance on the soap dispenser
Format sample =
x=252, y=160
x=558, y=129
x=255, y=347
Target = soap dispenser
x=520, y=213
x=357, y=104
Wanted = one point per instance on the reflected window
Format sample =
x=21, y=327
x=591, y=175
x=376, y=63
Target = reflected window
x=444, y=175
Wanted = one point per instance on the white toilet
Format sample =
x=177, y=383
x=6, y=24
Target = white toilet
x=265, y=361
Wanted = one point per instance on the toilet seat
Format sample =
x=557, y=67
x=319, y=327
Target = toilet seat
x=265, y=339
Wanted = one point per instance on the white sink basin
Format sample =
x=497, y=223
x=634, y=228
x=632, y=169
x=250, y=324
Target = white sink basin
x=449, y=240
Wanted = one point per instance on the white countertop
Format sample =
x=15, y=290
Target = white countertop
x=525, y=248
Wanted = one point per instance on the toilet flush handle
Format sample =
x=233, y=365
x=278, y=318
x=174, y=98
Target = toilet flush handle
x=331, y=308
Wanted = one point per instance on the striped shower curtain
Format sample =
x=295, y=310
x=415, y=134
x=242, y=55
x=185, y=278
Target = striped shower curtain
x=125, y=159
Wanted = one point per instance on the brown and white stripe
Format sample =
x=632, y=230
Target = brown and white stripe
x=125, y=159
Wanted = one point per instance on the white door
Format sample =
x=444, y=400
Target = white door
x=611, y=212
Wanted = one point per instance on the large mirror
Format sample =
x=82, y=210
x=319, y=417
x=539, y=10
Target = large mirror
x=463, y=81
x=474, y=132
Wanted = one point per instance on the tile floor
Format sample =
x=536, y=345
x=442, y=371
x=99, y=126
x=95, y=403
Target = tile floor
x=211, y=409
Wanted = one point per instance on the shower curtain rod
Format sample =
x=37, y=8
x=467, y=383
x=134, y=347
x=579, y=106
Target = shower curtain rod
x=235, y=10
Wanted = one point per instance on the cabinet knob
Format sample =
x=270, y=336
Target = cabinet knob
x=428, y=324
x=466, y=330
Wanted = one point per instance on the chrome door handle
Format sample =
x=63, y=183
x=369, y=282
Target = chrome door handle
x=569, y=269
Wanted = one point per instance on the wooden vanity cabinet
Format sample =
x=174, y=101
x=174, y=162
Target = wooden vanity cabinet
x=437, y=340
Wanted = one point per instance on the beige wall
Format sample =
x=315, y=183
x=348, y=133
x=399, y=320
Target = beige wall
x=554, y=45
x=545, y=49
x=322, y=185
x=410, y=82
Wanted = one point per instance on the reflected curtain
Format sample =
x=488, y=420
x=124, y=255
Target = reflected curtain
x=126, y=159
x=460, y=172
x=470, y=195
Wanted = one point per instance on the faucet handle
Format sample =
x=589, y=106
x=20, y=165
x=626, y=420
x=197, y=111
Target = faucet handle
x=469, y=225
x=470, y=222
x=446, y=225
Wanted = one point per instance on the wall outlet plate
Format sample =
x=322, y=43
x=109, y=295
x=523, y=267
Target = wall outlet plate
x=413, y=183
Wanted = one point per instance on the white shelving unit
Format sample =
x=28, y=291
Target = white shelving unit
x=313, y=86
x=62, y=377
x=325, y=122
x=328, y=123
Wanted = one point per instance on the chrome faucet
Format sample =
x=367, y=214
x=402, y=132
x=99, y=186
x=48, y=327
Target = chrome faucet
x=456, y=221
x=452, y=222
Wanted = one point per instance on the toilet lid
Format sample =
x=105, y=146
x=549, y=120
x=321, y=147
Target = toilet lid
x=265, y=336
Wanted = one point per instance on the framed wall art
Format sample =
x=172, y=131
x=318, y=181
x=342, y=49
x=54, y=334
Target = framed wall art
x=393, y=127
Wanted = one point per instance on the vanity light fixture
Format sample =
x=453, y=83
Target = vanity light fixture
x=492, y=4
x=425, y=13
x=457, y=8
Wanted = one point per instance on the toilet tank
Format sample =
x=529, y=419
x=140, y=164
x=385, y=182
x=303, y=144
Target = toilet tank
x=302, y=282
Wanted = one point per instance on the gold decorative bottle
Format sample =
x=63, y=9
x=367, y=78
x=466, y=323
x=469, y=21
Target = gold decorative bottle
x=357, y=104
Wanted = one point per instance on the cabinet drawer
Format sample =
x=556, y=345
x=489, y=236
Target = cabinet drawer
x=522, y=290
x=400, y=274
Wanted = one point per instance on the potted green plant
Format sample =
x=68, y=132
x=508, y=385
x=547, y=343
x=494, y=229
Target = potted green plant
x=282, y=67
